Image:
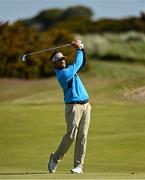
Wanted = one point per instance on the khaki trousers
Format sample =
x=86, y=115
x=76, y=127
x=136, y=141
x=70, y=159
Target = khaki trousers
x=77, y=119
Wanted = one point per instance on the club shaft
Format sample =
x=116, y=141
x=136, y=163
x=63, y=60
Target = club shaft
x=48, y=49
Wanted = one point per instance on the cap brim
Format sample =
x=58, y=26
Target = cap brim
x=65, y=57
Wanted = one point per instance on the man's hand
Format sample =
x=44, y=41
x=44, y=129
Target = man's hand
x=78, y=44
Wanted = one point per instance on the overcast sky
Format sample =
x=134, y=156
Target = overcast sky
x=12, y=10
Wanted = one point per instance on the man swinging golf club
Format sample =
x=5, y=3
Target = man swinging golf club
x=77, y=108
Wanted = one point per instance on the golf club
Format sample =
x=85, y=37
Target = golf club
x=48, y=49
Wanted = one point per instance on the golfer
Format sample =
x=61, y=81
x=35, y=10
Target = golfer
x=77, y=109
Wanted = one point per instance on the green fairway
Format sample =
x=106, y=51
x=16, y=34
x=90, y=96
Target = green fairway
x=32, y=124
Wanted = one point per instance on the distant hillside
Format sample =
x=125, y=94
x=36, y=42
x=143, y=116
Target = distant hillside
x=127, y=47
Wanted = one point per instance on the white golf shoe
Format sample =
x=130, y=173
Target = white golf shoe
x=52, y=165
x=77, y=170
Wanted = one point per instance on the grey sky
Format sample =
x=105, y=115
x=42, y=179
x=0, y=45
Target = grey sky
x=11, y=10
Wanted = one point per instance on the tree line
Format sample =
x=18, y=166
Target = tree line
x=79, y=19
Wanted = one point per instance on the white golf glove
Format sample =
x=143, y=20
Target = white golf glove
x=78, y=44
x=82, y=45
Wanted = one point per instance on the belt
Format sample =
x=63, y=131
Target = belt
x=79, y=102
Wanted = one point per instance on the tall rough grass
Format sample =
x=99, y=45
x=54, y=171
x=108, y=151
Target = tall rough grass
x=128, y=46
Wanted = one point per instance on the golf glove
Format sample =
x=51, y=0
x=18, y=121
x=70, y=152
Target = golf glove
x=82, y=45
x=79, y=44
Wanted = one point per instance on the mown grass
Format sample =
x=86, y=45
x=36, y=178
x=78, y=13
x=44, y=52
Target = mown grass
x=32, y=124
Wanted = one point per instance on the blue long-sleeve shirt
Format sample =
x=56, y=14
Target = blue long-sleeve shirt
x=72, y=86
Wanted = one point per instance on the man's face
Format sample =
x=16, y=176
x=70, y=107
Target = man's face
x=60, y=63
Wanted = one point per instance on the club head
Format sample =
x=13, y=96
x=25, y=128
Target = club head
x=24, y=58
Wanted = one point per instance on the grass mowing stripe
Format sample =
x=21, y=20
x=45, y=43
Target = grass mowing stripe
x=86, y=176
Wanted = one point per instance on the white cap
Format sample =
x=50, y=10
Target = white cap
x=58, y=56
